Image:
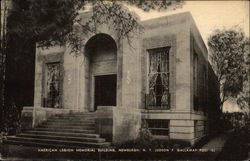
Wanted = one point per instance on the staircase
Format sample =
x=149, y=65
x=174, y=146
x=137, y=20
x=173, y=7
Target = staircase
x=63, y=131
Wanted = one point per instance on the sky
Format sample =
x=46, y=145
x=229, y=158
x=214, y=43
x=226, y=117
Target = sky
x=209, y=15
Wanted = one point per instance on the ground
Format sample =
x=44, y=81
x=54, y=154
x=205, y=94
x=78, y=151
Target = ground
x=219, y=148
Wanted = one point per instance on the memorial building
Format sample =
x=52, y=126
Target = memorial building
x=105, y=94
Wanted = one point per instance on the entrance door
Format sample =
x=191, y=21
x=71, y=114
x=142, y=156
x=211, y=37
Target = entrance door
x=105, y=90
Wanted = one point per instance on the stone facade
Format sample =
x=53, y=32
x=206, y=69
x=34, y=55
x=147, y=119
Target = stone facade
x=180, y=98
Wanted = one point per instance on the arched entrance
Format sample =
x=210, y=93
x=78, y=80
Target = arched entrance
x=101, y=52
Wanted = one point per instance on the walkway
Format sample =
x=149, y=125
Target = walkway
x=214, y=146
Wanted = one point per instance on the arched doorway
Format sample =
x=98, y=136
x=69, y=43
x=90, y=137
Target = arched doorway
x=101, y=51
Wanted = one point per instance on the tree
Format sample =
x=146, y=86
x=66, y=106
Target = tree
x=243, y=99
x=56, y=22
x=227, y=50
x=50, y=22
x=4, y=6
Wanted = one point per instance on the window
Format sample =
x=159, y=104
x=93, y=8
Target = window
x=52, y=86
x=204, y=92
x=158, y=79
x=195, y=81
x=195, y=128
x=158, y=126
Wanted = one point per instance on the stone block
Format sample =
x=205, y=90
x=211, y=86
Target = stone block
x=167, y=115
x=33, y=116
x=126, y=124
x=181, y=123
x=111, y=122
x=104, y=127
x=181, y=136
x=27, y=118
x=182, y=129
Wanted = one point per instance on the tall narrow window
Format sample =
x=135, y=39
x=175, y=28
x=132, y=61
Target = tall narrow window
x=52, y=85
x=195, y=81
x=204, y=94
x=158, y=77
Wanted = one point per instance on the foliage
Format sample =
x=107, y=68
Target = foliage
x=227, y=49
x=12, y=118
x=39, y=20
x=145, y=137
x=58, y=22
x=243, y=99
x=51, y=22
x=4, y=5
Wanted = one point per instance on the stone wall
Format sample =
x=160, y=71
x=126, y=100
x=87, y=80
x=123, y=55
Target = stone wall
x=171, y=31
x=118, y=124
x=181, y=30
x=33, y=116
x=54, y=54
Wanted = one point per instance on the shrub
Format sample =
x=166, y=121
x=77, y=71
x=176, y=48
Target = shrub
x=12, y=119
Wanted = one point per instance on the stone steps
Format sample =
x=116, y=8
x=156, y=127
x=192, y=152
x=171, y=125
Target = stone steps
x=59, y=137
x=70, y=121
x=74, y=117
x=78, y=117
x=72, y=130
x=52, y=142
x=65, y=130
x=81, y=127
x=63, y=134
x=67, y=124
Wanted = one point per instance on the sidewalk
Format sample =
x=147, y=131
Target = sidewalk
x=218, y=142
x=215, y=146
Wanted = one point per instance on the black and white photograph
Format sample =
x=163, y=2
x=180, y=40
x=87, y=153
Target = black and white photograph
x=124, y=80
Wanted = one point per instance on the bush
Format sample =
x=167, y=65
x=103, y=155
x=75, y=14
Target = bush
x=12, y=119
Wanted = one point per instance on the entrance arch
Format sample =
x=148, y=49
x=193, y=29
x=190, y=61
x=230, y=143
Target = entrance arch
x=101, y=52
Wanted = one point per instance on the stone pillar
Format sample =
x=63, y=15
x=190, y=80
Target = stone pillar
x=83, y=73
x=182, y=130
x=118, y=124
x=27, y=118
x=131, y=73
x=32, y=116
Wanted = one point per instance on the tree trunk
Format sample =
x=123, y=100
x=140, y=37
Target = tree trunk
x=3, y=43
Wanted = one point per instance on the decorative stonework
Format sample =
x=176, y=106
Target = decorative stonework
x=160, y=42
x=50, y=59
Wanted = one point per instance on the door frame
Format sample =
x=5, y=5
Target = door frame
x=92, y=88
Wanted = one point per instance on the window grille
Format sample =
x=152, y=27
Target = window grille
x=52, y=98
x=158, y=126
x=158, y=96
